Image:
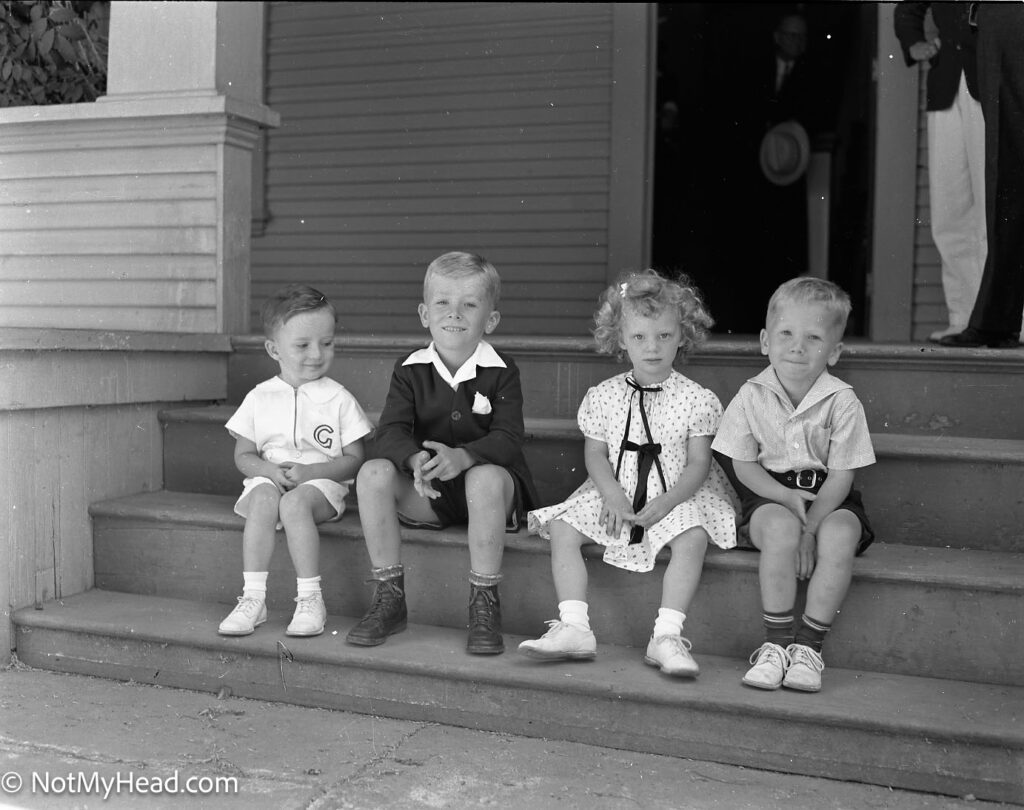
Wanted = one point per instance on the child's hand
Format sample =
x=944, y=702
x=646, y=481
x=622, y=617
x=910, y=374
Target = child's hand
x=654, y=510
x=422, y=485
x=806, y=551
x=295, y=473
x=616, y=514
x=280, y=477
x=796, y=502
x=447, y=463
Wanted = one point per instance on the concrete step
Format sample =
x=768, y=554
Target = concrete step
x=944, y=613
x=905, y=388
x=905, y=732
x=925, y=490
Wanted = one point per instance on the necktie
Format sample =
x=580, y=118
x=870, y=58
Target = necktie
x=646, y=454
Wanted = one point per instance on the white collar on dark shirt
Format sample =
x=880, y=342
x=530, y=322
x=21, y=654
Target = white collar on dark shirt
x=484, y=357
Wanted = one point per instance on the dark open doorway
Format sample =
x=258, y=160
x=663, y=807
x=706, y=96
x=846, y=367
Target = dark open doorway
x=716, y=217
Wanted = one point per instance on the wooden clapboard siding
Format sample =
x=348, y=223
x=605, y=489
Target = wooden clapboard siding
x=109, y=229
x=411, y=129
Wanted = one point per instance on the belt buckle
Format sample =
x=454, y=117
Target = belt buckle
x=800, y=478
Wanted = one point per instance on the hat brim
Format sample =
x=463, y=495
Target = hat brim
x=794, y=132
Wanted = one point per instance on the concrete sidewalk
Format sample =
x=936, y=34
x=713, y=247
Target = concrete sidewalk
x=68, y=739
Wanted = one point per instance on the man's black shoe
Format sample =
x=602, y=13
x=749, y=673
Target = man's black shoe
x=972, y=338
x=386, y=616
x=484, y=621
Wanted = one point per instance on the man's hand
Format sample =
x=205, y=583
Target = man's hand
x=923, y=51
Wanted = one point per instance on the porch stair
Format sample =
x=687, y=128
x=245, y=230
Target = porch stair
x=922, y=687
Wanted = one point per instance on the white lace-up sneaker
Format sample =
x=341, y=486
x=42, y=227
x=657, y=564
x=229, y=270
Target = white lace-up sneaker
x=248, y=614
x=770, y=662
x=310, y=616
x=672, y=655
x=804, y=673
x=561, y=641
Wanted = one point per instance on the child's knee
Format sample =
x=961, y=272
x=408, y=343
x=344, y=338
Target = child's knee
x=297, y=504
x=774, y=528
x=264, y=500
x=376, y=475
x=488, y=484
x=838, y=537
x=692, y=541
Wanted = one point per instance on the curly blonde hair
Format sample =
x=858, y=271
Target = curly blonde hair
x=648, y=293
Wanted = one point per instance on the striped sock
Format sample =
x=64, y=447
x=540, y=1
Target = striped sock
x=778, y=627
x=811, y=633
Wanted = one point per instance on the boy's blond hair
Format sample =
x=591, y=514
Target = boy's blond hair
x=810, y=290
x=458, y=264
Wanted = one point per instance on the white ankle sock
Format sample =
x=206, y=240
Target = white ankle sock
x=307, y=587
x=255, y=584
x=574, y=612
x=669, y=622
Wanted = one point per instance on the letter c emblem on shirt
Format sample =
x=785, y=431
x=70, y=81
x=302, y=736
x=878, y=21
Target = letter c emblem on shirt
x=322, y=435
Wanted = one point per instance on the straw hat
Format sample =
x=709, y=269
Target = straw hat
x=785, y=153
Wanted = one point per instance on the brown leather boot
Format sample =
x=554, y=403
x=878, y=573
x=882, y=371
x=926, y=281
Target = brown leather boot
x=484, y=621
x=387, y=614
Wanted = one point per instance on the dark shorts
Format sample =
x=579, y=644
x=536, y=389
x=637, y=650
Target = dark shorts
x=451, y=508
x=750, y=501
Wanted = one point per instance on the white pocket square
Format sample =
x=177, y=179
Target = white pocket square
x=481, y=404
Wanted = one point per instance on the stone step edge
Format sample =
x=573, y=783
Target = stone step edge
x=961, y=569
x=80, y=613
x=963, y=449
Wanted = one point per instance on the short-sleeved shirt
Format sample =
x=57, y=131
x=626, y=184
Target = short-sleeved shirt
x=306, y=425
x=826, y=431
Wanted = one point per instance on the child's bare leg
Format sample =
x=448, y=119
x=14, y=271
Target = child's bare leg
x=833, y=569
x=258, y=538
x=775, y=531
x=301, y=509
x=489, y=493
x=570, y=637
x=667, y=649
x=682, y=575
x=382, y=490
x=260, y=528
x=568, y=569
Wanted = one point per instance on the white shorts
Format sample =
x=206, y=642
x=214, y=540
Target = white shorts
x=332, y=490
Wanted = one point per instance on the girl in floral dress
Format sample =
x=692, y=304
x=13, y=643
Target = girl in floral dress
x=651, y=479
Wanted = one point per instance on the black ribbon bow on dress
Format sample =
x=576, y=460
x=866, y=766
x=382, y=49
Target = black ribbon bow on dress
x=647, y=455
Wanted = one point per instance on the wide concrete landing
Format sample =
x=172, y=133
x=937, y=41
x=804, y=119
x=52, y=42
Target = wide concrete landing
x=287, y=757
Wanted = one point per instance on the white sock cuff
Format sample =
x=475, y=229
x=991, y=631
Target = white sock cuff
x=574, y=612
x=669, y=622
x=254, y=581
x=307, y=586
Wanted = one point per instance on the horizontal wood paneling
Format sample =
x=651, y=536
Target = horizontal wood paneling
x=411, y=129
x=110, y=229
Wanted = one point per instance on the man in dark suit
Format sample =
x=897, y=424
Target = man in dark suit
x=956, y=148
x=996, y=318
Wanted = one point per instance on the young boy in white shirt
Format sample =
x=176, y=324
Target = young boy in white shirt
x=795, y=435
x=299, y=443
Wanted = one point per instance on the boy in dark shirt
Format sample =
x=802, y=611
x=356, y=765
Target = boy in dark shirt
x=448, y=451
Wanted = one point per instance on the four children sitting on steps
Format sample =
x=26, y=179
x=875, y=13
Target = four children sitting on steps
x=448, y=451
